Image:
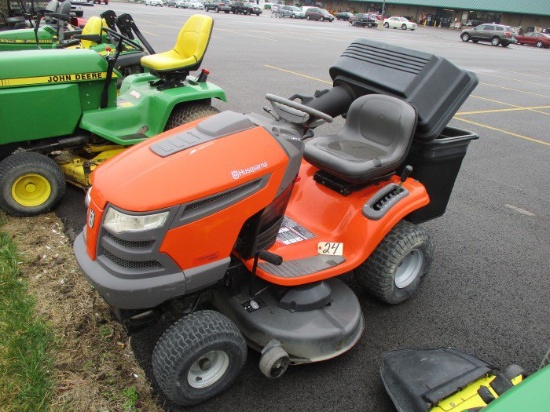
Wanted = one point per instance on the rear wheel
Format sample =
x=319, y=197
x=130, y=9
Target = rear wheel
x=198, y=357
x=399, y=264
x=540, y=44
x=404, y=27
x=187, y=112
x=495, y=41
x=386, y=25
x=30, y=184
x=307, y=18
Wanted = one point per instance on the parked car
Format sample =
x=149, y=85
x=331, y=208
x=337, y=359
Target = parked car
x=241, y=7
x=99, y=1
x=315, y=13
x=343, y=15
x=175, y=3
x=292, y=11
x=154, y=3
x=492, y=33
x=396, y=22
x=364, y=19
x=192, y=4
x=217, y=6
x=538, y=39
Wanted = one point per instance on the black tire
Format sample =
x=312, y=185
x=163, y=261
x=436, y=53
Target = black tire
x=504, y=44
x=495, y=41
x=475, y=41
x=540, y=45
x=387, y=25
x=30, y=184
x=398, y=265
x=403, y=27
x=187, y=112
x=198, y=357
x=307, y=18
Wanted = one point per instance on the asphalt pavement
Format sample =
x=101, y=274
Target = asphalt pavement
x=488, y=291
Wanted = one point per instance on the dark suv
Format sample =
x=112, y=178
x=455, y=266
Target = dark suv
x=217, y=6
x=245, y=8
x=492, y=33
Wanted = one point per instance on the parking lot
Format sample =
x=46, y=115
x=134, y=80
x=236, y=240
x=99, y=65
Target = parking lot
x=488, y=289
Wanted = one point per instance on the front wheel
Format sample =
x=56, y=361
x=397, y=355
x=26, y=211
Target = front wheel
x=307, y=18
x=399, y=264
x=30, y=184
x=495, y=41
x=198, y=357
x=188, y=112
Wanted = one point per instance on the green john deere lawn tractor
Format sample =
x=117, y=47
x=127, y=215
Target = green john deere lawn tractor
x=61, y=114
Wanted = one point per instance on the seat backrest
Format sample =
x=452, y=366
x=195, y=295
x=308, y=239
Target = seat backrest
x=385, y=122
x=194, y=37
x=92, y=26
x=375, y=140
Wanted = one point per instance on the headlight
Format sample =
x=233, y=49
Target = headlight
x=119, y=222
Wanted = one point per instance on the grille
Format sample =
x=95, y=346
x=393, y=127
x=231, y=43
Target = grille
x=148, y=264
x=386, y=58
x=129, y=243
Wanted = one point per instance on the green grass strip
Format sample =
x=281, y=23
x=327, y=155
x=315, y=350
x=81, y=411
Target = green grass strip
x=25, y=341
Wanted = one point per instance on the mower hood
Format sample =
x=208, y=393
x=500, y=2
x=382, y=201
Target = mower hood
x=187, y=163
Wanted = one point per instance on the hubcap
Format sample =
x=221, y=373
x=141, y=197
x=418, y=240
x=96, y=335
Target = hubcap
x=31, y=190
x=408, y=269
x=208, y=369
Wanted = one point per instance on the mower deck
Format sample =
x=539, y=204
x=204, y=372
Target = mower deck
x=313, y=323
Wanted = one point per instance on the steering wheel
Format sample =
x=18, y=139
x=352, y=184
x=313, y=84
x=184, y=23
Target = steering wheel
x=121, y=37
x=298, y=106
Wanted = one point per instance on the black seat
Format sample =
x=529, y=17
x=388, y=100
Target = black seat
x=375, y=140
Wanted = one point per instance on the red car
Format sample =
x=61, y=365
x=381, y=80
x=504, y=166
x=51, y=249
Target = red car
x=538, y=39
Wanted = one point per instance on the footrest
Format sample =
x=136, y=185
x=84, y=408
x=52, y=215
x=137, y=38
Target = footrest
x=301, y=267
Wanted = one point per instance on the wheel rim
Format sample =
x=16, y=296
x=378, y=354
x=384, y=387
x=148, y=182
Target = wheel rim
x=31, y=190
x=408, y=269
x=208, y=369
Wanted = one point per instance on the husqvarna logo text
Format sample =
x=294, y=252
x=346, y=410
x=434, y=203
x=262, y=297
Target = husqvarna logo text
x=243, y=172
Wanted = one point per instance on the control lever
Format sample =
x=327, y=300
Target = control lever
x=404, y=175
x=268, y=257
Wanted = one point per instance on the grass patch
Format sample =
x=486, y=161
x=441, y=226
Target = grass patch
x=81, y=359
x=26, y=342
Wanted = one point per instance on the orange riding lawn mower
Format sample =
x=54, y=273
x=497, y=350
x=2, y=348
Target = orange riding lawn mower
x=239, y=225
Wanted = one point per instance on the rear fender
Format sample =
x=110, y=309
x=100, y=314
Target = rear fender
x=143, y=110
